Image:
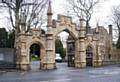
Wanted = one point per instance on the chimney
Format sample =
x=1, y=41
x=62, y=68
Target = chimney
x=110, y=29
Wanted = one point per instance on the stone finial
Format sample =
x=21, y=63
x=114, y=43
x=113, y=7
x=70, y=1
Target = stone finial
x=49, y=11
x=97, y=27
x=82, y=22
x=23, y=22
x=82, y=28
x=49, y=16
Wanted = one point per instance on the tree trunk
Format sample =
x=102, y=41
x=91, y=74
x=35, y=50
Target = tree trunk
x=118, y=41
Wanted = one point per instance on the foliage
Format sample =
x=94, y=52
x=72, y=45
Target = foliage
x=116, y=21
x=64, y=53
x=6, y=39
x=59, y=48
x=35, y=49
x=118, y=42
x=3, y=38
x=35, y=58
x=11, y=39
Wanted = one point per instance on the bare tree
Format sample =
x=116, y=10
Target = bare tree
x=25, y=14
x=84, y=8
x=116, y=21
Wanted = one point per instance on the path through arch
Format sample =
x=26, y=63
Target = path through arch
x=34, y=56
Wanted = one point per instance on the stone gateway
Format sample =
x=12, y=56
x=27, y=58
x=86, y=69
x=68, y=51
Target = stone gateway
x=83, y=49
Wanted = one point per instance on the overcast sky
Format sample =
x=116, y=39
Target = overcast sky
x=102, y=12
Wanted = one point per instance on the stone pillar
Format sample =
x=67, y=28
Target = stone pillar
x=81, y=62
x=110, y=40
x=98, y=57
x=50, y=52
x=50, y=42
x=22, y=61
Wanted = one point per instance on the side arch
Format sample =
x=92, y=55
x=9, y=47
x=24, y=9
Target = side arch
x=42, y=51
x=89, y=55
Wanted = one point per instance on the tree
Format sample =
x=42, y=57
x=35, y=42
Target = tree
x=59, y=47
x=24, y=12
x=64, y=53
x=116, y=21
x=11, y=39
x=3, y=38
x=84, y=8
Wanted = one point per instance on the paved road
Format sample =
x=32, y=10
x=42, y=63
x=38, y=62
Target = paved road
x=65, y=74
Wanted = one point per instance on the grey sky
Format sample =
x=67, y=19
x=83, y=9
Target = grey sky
x=102, y=12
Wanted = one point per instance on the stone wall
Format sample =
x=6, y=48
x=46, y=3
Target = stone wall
x=7, y=58
x=114, y=57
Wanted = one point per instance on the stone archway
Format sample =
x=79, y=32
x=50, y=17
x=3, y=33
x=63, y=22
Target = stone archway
x=39, y=52
x=70, y=47
x=34, y=56
x=65, y=24
x=89, y=56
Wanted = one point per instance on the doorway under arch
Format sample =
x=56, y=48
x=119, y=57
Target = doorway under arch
x=70, y=47
x=34, y=56
x=71, y=51
x=89, y=56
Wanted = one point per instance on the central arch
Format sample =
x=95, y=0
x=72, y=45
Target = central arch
x=70, y=47
x=64, y=23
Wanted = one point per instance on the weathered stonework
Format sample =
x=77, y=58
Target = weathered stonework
x=99, y=40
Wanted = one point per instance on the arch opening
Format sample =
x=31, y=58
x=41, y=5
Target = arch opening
x=89, y=56
x=67, y=39
x=71, y=51
x=34, y=56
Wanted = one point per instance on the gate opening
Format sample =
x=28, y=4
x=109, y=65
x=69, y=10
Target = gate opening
x=89, y=56
x=35, y=56
x=65, y=46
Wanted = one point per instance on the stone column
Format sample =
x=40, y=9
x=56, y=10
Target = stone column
x=22, y=61
x=50, y=52
x=98, y=57
x=81, y=62
x=50, y=42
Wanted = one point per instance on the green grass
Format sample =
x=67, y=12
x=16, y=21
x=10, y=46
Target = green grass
x=35, y=59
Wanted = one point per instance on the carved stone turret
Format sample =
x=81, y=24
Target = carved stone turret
x=49, y=15
x=82, y=30
x=23, y=23
x=50, y=46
